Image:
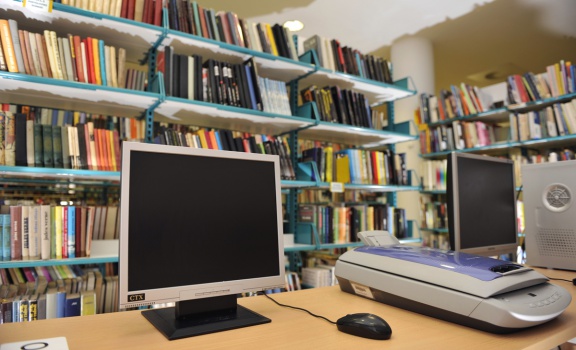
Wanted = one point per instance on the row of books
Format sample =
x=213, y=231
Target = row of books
x=434, y=214
x=85, y=60
x=189, y=17
x=434, y=175
x=460, y=135
x=220, y=82
x=28, y=143
x=228, y=140
x=533, y=156
x=552, y=121
x=319, y=276
x=338, y=105
x=341, y=224
x=334, y=56
x=458, y=101
x=146, y=11
x=559, y=79
x=87, y=294
x=34, y=232
x=131, y=129
x=357, y=166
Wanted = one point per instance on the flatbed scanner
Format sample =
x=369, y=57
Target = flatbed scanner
x=475, y=291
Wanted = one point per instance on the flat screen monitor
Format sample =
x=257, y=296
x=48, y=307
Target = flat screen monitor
x=481, y=204
x=197, y=228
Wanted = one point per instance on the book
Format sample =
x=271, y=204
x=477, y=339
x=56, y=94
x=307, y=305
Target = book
x=5, y=233
x=8, y=48
x=16, y=233
x=9, y=138
x=20, y=142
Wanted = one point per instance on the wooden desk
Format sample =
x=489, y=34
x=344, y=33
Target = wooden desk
x=298, y=330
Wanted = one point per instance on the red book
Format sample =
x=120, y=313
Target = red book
x=78, y=231
x=208, y=139
x=124, y=9
x=203, y=23
x=375, y=177
x=79, y=58
x=89, y=60
x=160, y=62
x=157, y=21
x=15, y=232
x=130, y=11
x=146, y=11
x=98, y=149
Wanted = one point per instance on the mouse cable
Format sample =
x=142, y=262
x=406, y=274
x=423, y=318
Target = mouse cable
x=295, y=307
x=562, y=279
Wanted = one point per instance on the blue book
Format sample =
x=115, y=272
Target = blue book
x=251, y=88
x=72, y=305
x=60, y=304
x=71, y=232
x=218, y=141
x=5, y=236
x=102, y=53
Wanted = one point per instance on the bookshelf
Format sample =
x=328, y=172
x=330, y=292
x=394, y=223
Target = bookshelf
x=142, y=43
x=530, y=133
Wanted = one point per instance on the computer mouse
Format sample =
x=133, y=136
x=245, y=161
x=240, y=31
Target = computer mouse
x=365, y=325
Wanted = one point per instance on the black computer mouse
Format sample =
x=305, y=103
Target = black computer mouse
x=365, y=325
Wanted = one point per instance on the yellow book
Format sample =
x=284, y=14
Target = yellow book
x=271, y=38
x=329, y=155
x=202, y=137
x=559, y=84
x=370, y=218
x=342, y=168
x=96, y=57
x=110, y=137
x=8, y=46
x=87, y=302
x=58, y=231
x=57, y=53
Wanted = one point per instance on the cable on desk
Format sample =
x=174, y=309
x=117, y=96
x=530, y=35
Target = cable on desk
x=295, y=307
x=562, y=279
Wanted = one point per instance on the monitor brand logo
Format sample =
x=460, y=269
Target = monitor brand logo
x=137, y=297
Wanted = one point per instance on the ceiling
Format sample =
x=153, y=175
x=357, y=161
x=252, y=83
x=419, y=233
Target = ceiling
x=478, y=42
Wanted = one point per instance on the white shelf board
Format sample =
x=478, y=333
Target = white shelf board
x=202, y=114
x=53, y=93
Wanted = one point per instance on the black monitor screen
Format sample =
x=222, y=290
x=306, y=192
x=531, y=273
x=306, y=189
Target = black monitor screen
x=482, y=204
x=196, y=220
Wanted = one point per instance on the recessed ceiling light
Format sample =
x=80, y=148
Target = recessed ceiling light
x=294, y=25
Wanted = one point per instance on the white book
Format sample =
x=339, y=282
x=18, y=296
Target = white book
x=68, y=64
x=191, y=78
x=59, y=51
x=84, y=64
x=113, y=76
x=50, y=51
x=34, y=238
x=45, y=226
x=30, y=142
x=25, y=230
x=35, y=53
x=107, y=58
x=17, y=45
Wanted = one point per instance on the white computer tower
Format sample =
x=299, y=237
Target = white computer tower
x=549, y=191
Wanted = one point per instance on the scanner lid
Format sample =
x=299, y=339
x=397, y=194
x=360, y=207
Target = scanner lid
x=479, y=267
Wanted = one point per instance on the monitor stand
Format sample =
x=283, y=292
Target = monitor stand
x=202, y=316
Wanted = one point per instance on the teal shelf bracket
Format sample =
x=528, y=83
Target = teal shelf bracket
x=157, y=85
x=292, y=197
